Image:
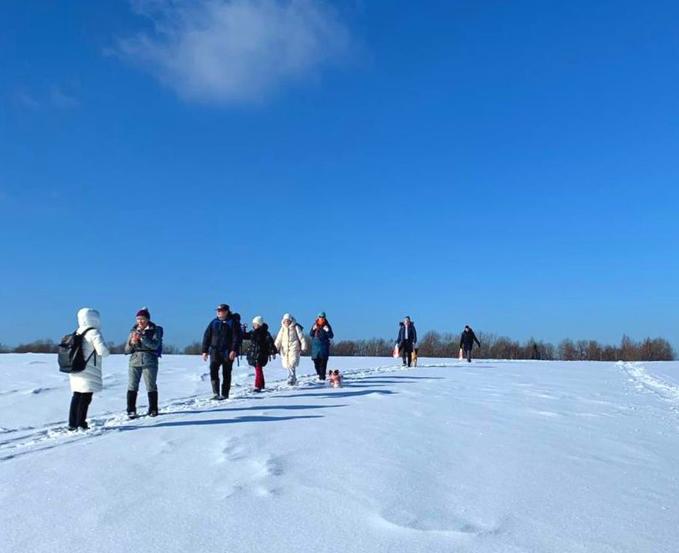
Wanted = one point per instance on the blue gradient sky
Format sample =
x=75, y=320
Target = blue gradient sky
x=508, y=165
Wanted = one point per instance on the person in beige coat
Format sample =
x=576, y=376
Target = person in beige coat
x=290, y=343
x=85, y=383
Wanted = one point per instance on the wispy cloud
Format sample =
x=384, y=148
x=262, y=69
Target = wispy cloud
x=55, y=97
x=26, y=100
x=234, y=51
x=62, y=99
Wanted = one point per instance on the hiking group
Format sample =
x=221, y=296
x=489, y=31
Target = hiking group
x=80, y=354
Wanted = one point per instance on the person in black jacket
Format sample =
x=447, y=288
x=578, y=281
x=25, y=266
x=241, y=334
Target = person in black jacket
x=467, y=340
x=261, y=347
x=407, y=338
x=221, y=341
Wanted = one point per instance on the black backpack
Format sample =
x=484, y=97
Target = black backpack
x=70, y=357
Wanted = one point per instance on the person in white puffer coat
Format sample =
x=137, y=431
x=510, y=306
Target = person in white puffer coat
x=85, y=383
x=290, y=344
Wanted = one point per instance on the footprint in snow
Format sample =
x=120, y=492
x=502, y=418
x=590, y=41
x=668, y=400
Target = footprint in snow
x=36, y=391
x=231, y=450
x=267, y=466
x=435, y=522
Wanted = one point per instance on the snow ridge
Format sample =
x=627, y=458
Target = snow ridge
x=643, y=380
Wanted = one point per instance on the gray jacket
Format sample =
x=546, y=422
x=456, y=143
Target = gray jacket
x=145, y=352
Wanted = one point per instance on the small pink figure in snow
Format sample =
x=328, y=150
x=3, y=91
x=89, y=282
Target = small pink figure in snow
x=335, y=379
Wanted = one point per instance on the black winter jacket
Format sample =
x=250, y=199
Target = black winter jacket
x=261, y=346
x=412, y=335
x=222, y=337
x=467, y=339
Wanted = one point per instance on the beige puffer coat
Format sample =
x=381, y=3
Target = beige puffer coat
x=290, y=343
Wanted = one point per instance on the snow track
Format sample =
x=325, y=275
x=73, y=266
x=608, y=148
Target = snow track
x=15, y=442
x=643, y=380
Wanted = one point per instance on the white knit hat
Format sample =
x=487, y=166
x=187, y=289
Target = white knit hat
x=258, y=320
x=287, y=317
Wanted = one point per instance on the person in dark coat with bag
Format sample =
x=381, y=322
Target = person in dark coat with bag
x=321, y=334
x=221, y=342
x=143, y=346
x=261, y=348
x=407, y=338
x=467, y=340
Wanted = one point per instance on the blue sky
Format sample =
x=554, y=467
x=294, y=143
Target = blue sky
x=512, y=165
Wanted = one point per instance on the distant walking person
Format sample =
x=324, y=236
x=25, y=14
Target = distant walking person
x=144, y=346
x=290, y=343
x=407, y=338
x=87, y=382
x=221, y=342
x=467, y=340
x=321, y=334
x=261, y=347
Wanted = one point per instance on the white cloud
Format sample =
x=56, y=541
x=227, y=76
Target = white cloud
x=231, y=51
x=27, y=100
x=54, y=97
x=62, y=99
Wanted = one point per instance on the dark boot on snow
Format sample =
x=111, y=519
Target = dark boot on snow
x=215, y=389
x=132, y=404
x=153, y=404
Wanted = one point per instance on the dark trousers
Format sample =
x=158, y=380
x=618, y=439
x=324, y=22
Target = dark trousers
x=77, y=415
x=407, y=353
x=467, y=352
x=223, y=361
x=321, y=366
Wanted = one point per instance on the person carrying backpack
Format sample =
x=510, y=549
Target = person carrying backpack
x=321, y=334
x=261, y=347
x=290, y=343
x=407, y=338
x=87, y=380
x=467, y=339
x=144, y=346
x=221, y=342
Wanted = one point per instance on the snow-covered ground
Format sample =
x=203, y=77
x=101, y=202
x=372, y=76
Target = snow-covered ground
x=495, y=456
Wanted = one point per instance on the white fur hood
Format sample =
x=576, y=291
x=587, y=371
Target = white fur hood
x=88, y=318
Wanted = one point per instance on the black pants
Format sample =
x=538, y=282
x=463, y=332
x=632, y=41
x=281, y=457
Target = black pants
x=467, y=352
x=223, y=361
x=321, y=367
x=407, y=353
x=77, y=415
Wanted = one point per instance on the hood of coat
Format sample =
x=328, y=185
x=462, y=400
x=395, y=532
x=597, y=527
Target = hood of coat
x=288, y=317
x=88, y=317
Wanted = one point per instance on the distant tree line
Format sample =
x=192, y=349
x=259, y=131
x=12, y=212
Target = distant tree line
x=435, y=344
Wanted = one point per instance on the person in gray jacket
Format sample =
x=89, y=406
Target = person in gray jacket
x=144, y=346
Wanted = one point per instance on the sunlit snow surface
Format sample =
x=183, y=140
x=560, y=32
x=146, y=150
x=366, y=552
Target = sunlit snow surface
x=501, y=456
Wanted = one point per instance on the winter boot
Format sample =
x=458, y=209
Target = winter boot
x=215, y=389
x=153, y=404
x=225, y=389
x=132, y=404
x=85, y=400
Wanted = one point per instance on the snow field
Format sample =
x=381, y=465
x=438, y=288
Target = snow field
x=495, y=456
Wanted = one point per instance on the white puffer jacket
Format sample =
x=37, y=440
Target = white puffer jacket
x=290, y=344
x=89, y=380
